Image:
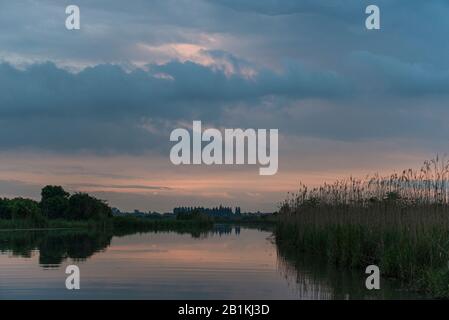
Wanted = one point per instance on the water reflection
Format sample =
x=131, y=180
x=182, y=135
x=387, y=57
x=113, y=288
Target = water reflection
x=223, y=262
x=54, y=246
x=224, y=229
x=314, y=278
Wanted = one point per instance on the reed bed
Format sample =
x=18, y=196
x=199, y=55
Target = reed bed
x=399, y=222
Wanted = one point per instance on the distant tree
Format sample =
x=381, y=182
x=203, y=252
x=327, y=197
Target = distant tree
x=54, y=202
x=5, y=209
x=53, y=191
x=83, y=207
x=21, y=208
x=193, y=214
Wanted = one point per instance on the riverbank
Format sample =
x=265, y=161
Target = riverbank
x=413, y=250
x=116, y=223
x=27, y=224
x=126, y=223
x=399, y=223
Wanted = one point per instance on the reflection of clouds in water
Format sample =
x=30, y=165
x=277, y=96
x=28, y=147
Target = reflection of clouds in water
x=54, y=247
x=169, y=265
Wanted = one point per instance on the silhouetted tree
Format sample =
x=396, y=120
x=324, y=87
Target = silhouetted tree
x=21, y=208
x=5, y=209
x=54, y=202
x=84, y=207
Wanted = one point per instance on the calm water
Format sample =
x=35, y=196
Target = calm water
x=226, y=263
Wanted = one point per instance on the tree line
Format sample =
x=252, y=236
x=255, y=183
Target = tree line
x=55, y=203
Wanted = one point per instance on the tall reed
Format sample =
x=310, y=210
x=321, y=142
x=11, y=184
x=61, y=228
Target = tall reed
x=399, y=222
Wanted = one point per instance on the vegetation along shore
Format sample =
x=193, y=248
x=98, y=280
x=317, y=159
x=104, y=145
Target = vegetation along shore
x=60, y=210
x=399, y=222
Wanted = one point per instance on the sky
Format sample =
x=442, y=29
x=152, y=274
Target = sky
x=92, y=109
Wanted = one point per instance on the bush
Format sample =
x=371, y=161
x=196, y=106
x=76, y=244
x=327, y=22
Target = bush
x=81, y=206
x=54, y=202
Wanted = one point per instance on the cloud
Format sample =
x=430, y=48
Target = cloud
x=286, y=7
x=12, y=188
x=121, y=186
x=105, y=108
x=401, y=77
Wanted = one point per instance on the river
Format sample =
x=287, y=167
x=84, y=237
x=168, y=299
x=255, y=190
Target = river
x=227, y=262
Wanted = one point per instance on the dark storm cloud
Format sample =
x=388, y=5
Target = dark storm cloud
x=104, y=108
x=402, y=77
x=317, y=32
x=377, y=85
x=107, y=91
x=285, y=7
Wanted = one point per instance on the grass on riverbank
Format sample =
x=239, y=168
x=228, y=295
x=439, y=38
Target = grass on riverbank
x=22, y=224
x=116, y=223
x=399, y=222
x=126, y=223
